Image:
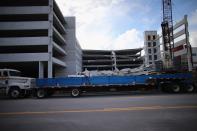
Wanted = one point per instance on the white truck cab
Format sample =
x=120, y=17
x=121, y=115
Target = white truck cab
x=13, y=85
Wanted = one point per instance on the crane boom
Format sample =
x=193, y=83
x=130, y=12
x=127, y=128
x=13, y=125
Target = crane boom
x=167, y=33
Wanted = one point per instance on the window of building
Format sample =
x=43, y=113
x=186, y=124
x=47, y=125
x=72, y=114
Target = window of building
x=155, y=50
x=149, y=44
x=155, y=57
x=148, y=37
x=150, y=57
x=154, y=43
x=194, y=54
x=149, y=51
x=150, y=63
x=154, y=37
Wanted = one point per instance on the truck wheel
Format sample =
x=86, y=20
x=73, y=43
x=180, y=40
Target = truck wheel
x=40, y=93
x=75, y=92
x=164, y=87
x=14, y=93
x=175, y=88
x=190, y=88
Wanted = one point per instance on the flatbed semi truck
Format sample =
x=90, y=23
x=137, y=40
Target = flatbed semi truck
x=175, y=83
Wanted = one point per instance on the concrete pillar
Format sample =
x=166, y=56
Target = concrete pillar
x=50, y=35
x=41, y=69
x=114, y=64
x=189, y=54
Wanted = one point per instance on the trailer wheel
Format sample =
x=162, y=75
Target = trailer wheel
x=190, y=88
x=75, y=92
x=14, y=93
x=164, y=87
x=175, y=88
x=41, y=93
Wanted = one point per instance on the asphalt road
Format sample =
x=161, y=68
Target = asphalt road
x=141, y=112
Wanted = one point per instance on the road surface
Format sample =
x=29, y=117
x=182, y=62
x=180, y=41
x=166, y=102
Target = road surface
x=141, y=112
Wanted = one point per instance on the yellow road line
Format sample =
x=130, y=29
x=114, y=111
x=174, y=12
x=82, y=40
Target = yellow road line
x=102, y=110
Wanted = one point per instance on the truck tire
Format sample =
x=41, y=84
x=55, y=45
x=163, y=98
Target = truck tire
x=163, y=87
x=75, y=92
x=40, y=93
x=175, y=88
x=14, y=93
x=195, y=87
x=190, y=88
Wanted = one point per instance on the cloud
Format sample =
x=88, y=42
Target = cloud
x=130, y=39
x=94, y=40
x=127, y=40
x=87, y=11
x=193, y=38
x=93, y=28
x=193, y=27
x=102, y=24
x=193, y=18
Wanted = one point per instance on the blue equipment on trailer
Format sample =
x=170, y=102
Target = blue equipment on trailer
x=76, y=85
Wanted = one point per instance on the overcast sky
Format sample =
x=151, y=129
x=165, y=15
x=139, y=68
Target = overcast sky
x=119, y=24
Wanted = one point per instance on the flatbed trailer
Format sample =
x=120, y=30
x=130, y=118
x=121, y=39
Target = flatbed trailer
x=175, y=83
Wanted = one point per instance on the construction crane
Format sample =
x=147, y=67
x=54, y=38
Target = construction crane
x=167, y=33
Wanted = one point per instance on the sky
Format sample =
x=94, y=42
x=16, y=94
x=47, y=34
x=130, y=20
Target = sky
x=120, y=24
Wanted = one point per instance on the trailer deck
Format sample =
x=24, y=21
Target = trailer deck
x=107, y=80
x=76, y=85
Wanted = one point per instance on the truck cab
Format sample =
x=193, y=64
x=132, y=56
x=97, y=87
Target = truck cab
x=12, y=84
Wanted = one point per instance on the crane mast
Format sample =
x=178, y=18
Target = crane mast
x=167, y=33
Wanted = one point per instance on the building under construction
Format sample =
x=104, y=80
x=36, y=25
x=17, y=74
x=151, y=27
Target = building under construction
x=152, y=50
x=111, y=60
